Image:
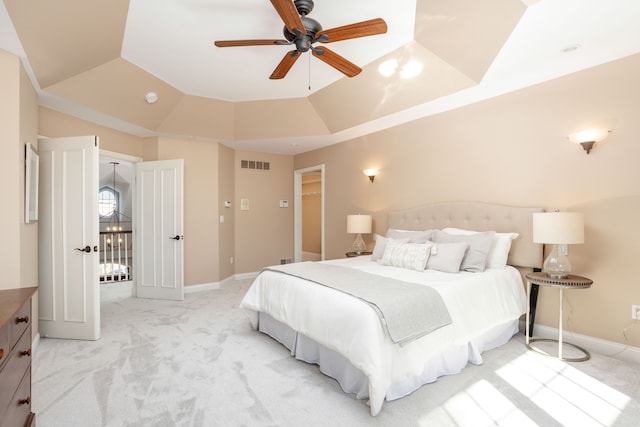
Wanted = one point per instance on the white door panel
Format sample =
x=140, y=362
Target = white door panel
x=69, y=296
x=159, y=229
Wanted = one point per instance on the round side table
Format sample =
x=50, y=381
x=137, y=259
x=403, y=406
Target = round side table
x=570, y=282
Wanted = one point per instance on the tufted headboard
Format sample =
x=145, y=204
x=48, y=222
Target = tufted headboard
x=479, y=217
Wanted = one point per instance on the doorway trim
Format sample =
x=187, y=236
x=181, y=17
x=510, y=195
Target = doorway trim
x=297, y=210
x=119, y=156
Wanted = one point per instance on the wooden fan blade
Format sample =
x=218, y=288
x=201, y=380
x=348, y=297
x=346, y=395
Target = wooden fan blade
x=352, y=31
x=289, y=15
x=232, y=43
x=336, y=61
x=285, y=65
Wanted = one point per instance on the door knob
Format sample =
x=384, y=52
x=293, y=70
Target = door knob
x=86, y=249
x=175, y=238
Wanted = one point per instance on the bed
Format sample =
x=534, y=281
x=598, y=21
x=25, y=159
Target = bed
x=349, y=339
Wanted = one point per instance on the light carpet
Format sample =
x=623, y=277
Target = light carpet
x=199, y=363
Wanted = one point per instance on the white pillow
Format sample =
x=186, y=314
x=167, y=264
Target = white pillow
x=413, y=236
x=475, y=258
x=447, y=257
x=381, y=243
x=500, y=247
x=406, y=255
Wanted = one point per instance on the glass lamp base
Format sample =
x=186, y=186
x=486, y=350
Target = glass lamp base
x=557, y=264
x=359, y=245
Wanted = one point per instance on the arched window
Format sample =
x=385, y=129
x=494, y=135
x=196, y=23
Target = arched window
x=107, y=201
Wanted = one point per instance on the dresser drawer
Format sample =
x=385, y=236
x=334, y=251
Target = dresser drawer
x=20, y=322
x=5, y=345
x=15, y=358
x=19, y=408
x=10, y=376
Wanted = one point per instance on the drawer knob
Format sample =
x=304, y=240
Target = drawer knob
x=25, y=353
x=25, y=401
x=24, y=319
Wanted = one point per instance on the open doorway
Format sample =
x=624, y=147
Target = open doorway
x=115, y=209
x=309, y=214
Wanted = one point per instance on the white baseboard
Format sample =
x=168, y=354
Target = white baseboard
x=201, y=287
x=244, y=276
x=595, y=345
x=211, y=286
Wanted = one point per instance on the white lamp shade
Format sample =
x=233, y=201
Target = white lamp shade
x=358, y=223
x=558, y=228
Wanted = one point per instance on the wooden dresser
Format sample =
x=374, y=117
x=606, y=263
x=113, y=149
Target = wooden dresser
x=15, y=358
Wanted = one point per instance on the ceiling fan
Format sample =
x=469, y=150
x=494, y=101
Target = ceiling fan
x=304, y=32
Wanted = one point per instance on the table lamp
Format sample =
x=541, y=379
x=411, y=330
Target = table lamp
x=358, y=224
x=559, y=229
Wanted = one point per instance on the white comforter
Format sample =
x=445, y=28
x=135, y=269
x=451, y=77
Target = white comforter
x=477, y=302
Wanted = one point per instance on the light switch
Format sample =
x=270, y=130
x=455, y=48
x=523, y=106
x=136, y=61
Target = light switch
x=244, y=204
x=221, y=219
x=284, y=203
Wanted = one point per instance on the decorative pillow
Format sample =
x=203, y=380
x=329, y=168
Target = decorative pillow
x=447, y=257
x=500, y=247
x=406, y=255
x=381, y=243
x=413, y=236
x=475, y=258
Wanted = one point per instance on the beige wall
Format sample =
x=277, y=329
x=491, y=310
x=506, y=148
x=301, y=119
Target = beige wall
x=513, y=150
x=18, y=125
x=226, y=187
x=28, y=133
x=10, y=147
x=264, y=233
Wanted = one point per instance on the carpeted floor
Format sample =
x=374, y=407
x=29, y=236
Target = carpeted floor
x=199, y=363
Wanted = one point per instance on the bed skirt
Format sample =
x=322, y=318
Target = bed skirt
x=449, y=361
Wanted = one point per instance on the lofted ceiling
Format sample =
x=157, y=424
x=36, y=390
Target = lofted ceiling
x=97, y=59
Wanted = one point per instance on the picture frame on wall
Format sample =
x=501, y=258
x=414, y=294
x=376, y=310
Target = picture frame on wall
x=32, y=166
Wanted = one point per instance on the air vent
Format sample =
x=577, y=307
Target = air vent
x=255, y=164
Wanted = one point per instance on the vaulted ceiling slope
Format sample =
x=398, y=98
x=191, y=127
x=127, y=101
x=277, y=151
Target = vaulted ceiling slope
x=97, y=59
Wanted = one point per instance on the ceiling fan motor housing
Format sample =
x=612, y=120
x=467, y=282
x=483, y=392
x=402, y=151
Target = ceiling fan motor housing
x=303, y=43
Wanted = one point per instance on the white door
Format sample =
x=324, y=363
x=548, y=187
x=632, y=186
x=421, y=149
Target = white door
x=159, y=230
x=69, y=295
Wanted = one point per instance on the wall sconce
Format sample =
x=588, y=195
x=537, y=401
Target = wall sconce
x=371, y=173
x=588, y=137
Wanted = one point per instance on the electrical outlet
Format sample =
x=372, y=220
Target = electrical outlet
x=635, y=312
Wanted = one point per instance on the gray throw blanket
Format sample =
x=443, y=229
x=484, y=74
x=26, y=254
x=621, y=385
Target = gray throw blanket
x=407, y=310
